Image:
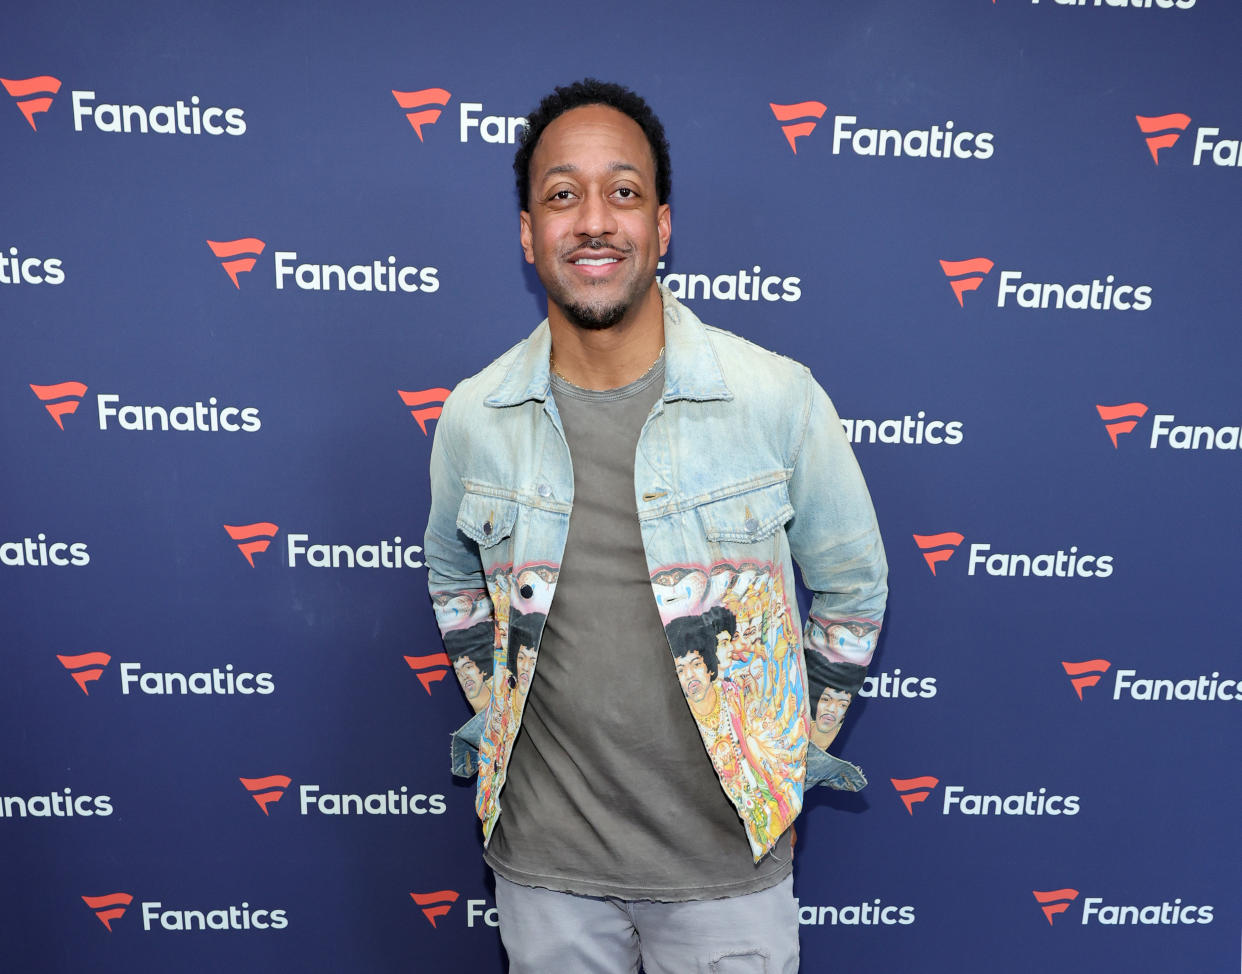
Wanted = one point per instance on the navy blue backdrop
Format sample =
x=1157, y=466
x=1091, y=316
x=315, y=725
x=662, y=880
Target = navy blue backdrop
x=246, y=248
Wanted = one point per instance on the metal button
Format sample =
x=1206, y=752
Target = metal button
x=487, y=527
x=526, y=591
x=545, y=490
x=751, y=525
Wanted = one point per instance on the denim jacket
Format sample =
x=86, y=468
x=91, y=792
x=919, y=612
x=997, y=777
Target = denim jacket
x=742, y=468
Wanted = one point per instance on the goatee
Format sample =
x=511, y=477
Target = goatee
x=594, y=318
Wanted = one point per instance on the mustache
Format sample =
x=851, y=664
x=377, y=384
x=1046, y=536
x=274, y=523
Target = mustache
x=597, y=243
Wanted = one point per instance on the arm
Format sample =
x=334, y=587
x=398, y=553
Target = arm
x=459, y=595
x=835, y=541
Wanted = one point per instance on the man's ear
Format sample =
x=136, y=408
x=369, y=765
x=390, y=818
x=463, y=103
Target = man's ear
x=528, y=247
x=664, y=224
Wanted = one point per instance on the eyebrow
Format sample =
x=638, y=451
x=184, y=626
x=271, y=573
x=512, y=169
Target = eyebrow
x=570, y=168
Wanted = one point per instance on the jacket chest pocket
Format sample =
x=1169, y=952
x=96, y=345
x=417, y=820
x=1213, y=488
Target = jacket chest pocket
x=488, y=521
x=748, y=516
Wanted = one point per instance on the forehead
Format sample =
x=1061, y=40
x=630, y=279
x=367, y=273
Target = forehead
x=591, y=137
x=690, y=659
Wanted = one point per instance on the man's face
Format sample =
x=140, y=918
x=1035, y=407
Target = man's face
x=469, y=675
x=525, y=664
x=830, y=709
x=595, y=230
x=749, y=619
x=695, y=679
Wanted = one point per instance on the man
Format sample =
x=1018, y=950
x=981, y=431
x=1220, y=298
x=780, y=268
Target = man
x=582, y=467
x=524, y=638
x=829, y=711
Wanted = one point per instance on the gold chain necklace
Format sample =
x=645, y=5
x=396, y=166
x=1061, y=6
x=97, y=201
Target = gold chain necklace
x=560, y=375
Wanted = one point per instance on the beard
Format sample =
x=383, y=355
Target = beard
x=595, y=318
x=599, y=314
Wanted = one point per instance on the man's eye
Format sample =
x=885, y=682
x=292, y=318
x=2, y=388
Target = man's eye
x=626, y=193
x=562, y=194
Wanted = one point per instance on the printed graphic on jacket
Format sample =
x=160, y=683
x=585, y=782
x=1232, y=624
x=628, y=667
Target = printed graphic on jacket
x=736, y=651
x=493, y=637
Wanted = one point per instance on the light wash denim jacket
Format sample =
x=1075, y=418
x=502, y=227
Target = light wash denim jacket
x=742, y=468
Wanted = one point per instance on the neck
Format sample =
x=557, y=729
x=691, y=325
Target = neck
x=609, y=358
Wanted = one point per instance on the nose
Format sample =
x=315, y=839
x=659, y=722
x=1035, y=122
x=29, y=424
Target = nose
x=595, y=217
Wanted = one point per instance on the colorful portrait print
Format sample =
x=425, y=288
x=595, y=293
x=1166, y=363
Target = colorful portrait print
x=473, y=658
x=743, y=687
x=829, y=712
x=513, y=642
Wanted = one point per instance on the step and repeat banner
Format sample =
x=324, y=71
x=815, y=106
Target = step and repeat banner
x=247, y=249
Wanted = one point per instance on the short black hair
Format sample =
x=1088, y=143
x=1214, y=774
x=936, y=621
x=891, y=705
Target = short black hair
x=525, y=628
x=590, y=91
x=475, y=643
x=721, y=619
x=692, y=634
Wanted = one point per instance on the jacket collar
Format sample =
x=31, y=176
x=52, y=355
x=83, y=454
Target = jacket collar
x=691, y=369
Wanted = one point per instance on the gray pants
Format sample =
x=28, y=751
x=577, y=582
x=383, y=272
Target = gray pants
x=545, y=932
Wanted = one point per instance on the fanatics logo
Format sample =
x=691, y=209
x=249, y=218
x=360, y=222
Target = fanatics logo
x=914, y=790
x=252, y=538
x=1053, y=901
x=965, y=275
x=85, y=667
x=109, y=907
x=1122, y=418
x=416, y=100
x=430, y=669
x=430, y=401
x=61, y=398
x=34, y=95
x=1085, y=674
x=1161, y=131
x=229, y=249
x=435, y=904
x=267, y=790
x=937, y=547
x=789, y=113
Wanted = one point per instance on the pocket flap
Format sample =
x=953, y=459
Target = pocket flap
x=749, y=516
x=486, y=520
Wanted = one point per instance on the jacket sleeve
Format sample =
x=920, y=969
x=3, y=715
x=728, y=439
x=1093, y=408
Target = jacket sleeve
x=835, y=540
x=459, y=595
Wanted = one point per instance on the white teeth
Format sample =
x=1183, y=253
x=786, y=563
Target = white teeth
x=595, y=262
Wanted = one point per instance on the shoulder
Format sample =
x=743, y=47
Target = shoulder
x=746, y=364
x=466, y=401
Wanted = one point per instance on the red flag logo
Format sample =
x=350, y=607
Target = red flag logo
x=34, y=95
x=1122, y=418
x=965, y=275
x=430, y=669
x=427, y=402
x=109, y=907
x=1054, y=901
x=435, y=904
x=252, y=538
x=1085, y=674
x=62, y=398
x=85, y=667
x=805, y=110
x=267, y=790
x=230, y=250
x=914, y=790
x=1161, y=131
x=937, y=547
x=417, y=100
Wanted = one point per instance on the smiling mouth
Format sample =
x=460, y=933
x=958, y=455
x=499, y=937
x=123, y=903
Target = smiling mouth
x=595, y=261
